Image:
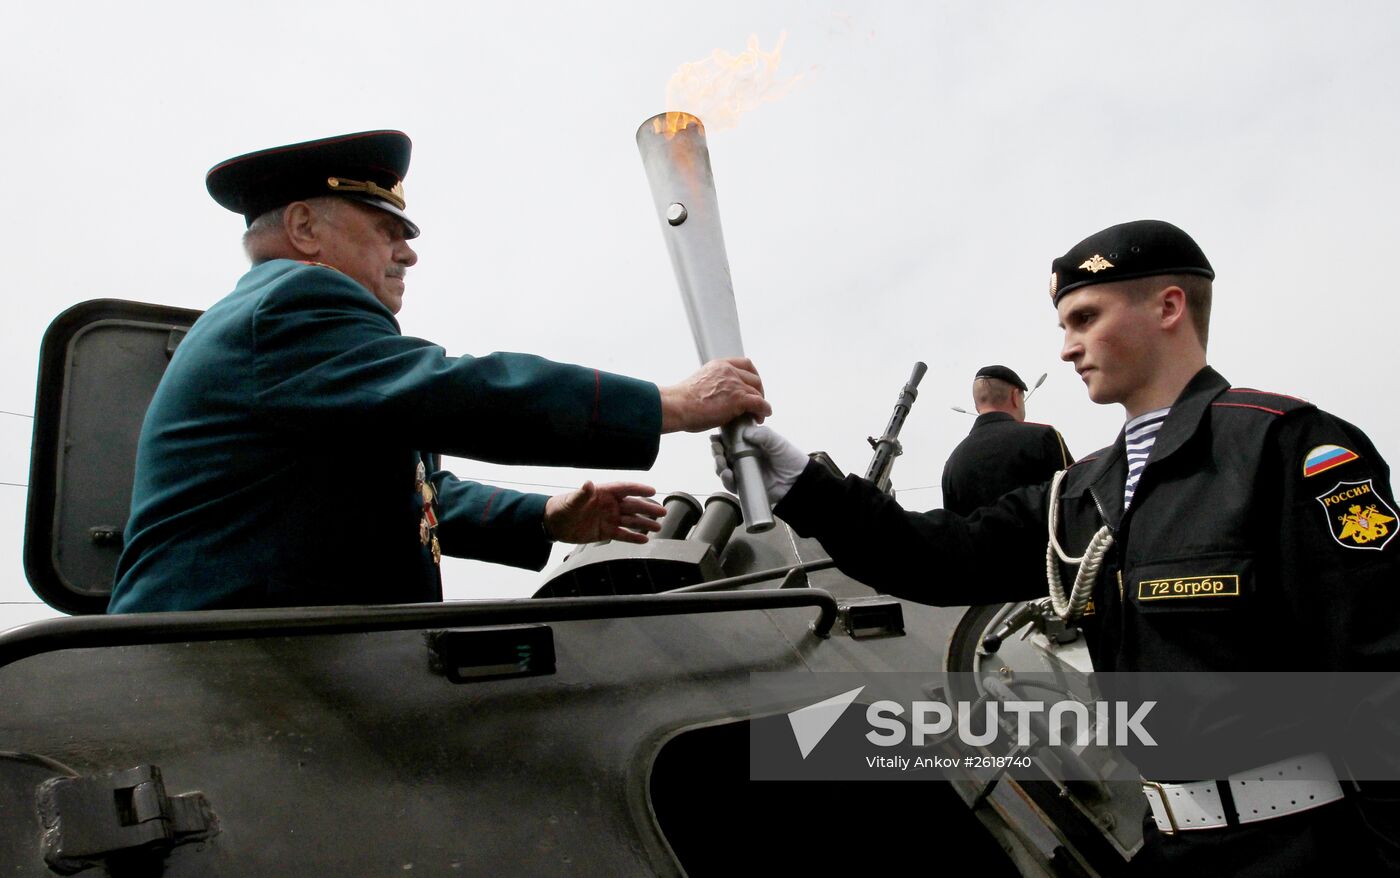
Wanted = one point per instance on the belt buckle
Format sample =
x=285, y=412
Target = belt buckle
x=1157, y=788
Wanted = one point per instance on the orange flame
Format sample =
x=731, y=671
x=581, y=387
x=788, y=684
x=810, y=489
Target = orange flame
x=672, y=122
x=722, y=87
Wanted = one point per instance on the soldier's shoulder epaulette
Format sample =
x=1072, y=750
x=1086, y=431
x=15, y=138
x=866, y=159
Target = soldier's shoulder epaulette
x=303, y=264
x=1260, y=401
x=1091, y=456
x=1038, y=424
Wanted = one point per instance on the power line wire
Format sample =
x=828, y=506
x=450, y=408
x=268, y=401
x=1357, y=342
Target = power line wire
x=16, y=414
x=505, y=482
x=491, y=481
x=14, y=484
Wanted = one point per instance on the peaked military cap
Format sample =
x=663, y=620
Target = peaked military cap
x=368, y=167
x=1143, y=248
x=1001, y=373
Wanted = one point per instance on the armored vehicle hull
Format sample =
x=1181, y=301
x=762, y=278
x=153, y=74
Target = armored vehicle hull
x=601, y=728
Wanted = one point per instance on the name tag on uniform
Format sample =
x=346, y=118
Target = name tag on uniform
x=1222, y=585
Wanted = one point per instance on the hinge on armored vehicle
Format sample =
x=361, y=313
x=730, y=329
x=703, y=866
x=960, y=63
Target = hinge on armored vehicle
x=120, y=816
x=172, y=341
x=106, y=535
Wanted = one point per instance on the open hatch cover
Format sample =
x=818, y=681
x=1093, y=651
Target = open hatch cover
x=98, y=369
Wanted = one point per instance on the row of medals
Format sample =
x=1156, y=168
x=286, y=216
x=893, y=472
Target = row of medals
x=427, y=525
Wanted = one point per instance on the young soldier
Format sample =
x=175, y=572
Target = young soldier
x=1287, y=506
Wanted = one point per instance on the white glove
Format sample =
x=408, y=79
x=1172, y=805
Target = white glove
x=779, y=460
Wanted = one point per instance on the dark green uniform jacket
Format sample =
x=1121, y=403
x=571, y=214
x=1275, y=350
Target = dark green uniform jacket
x=1261, y=537
x=277, y=462
x=1000, y=454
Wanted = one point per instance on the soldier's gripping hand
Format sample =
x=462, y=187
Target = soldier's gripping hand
x=612, y=511
x=719, y=392
x=779, y=460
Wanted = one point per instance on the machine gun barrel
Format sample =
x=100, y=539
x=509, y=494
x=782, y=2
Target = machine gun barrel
x=887, y=447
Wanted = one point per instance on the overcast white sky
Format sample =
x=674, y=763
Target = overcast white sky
x=902, y=202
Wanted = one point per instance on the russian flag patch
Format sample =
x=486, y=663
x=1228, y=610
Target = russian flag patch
x=1325, y=457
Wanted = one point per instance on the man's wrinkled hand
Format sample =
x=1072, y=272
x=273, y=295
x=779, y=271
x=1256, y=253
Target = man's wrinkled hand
x=611, y=511
x=779, y=461
x=719, y=392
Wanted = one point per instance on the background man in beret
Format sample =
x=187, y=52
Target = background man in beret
x=290, y=454
x=1289, y=508
x=1002, y=452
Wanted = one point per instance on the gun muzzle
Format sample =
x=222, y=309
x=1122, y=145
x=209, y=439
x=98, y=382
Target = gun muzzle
x=717, y=522
x=682, y=511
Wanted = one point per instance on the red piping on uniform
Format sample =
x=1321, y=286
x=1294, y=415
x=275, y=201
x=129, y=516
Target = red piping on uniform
x=489, y=500
x=1240, y=405
x=1265, y=393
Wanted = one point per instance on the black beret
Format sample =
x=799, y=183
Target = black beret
x=368, y=166
x=1001, y=373
x=1143, y=248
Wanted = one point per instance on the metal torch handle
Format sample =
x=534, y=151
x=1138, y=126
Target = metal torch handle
x=677, y=163
x=748, y=476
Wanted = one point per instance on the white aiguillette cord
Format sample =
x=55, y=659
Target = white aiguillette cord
x=1072, y=608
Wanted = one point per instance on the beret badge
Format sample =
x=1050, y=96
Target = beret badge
x=1142, y=248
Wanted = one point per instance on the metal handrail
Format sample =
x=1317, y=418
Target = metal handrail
x=84, y=632
x=759, y=576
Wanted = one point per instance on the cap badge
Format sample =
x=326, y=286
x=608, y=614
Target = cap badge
x=1096, y=263
x=1054, y=283
x=394, y=196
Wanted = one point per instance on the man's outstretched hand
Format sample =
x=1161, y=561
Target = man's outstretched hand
x=594, y=513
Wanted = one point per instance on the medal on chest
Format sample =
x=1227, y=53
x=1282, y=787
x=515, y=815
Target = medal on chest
x=428, y=522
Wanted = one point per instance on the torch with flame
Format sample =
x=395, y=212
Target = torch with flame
x=677, y=163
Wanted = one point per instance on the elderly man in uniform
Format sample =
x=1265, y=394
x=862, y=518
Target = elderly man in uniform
x=290, y=454
x=1204, y=480
x=1003, y=451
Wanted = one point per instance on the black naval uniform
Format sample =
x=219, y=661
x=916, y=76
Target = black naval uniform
x=999, y=455
x=1225, y=496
